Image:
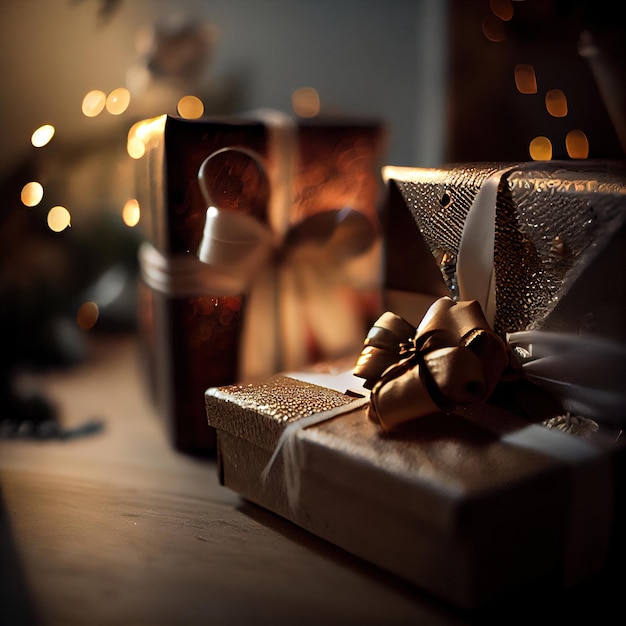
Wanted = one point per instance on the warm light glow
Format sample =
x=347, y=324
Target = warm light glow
x=135, y=147
x=525, y=79
x=117, y=101
x=145, y=132
x=93, y=103
x=32, y=193
x=502, y=9
x=305, y=102
x=190, y=107
x=556, y=103
x=493, y=28
x=540, y=149
x=131, y=213
x=42, y=135
x=58, y=218
x=577, y=144
x=87, y=315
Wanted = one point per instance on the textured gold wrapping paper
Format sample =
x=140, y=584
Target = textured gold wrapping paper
x=559, y=241
x=466, y=506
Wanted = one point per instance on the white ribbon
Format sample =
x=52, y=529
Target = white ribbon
x=474, y=267
x=184, y=275
x=289, y=446
x=586, y=374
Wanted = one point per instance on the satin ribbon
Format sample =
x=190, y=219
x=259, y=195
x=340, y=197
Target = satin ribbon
x=451, y=359
x=587, y=374
x=294, y=285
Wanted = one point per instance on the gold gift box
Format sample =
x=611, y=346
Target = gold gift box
x=554, y=234
x=467, y=506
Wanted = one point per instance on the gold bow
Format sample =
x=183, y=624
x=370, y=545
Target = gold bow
x=451, y=359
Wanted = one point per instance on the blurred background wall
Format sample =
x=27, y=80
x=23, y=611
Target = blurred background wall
x=441, y=74
x=383, y=58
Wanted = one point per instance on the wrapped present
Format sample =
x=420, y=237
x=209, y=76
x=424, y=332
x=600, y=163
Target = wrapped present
x=536, y=244
x=417, y=459
x=251, y=225
x=469, y=505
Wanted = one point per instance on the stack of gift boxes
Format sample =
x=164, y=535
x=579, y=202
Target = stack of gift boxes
x=424, y=367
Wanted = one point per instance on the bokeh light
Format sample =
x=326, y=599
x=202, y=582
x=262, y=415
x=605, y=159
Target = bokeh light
x=540, y=149
x=135, y=147
x=190, y=107
x=556, y=103
x=58, y=219
x=525, y=79
x=32, y=193
x=493, y=28
x=131, y=212
x=117, y=101
x=42, y=135
x=577, y=144
x=144, y=134
x=87, y=315
x=502, y=9
x=93, y=103
x=305, y=102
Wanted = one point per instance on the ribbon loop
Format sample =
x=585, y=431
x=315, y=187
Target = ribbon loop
x=383, y=346
x=294, y=279
x=456, y=360
x=235, y=244
x=458, y=375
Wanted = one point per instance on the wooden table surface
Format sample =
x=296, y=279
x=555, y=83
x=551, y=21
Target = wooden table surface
x=118, y=528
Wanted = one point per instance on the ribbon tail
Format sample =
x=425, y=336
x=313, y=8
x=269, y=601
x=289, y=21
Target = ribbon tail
x=290, y=319
x=288, y=447
x=259, y=351
x=586, y=374
x=475, y=257
x=331, y=314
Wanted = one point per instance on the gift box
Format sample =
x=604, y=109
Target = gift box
x=238, y=261
x=536, y=244
x=469, y=501
x=469, y=506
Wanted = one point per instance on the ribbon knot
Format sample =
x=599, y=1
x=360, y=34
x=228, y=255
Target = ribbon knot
x=295, y=277
x=451, y=359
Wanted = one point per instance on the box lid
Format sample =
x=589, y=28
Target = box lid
x=452, y=472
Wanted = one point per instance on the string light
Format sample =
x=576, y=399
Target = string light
x=93, y=103
x=58, y=219
x=42, y=135
x=87, y=315
x=540, y=149
x=502, y=9
x=556, y=103
x=493, y=29
x=32, y=194
x=577, y=145
x=305, y=102
x=525, y=79
x=131, y=212
x=190, y=107
x=117, y=101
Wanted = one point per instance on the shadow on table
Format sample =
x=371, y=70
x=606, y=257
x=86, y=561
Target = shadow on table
x=16, y=604
x=596, y=600
x=431, y=608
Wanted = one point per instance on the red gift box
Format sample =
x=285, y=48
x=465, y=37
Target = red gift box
x=319, y=177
